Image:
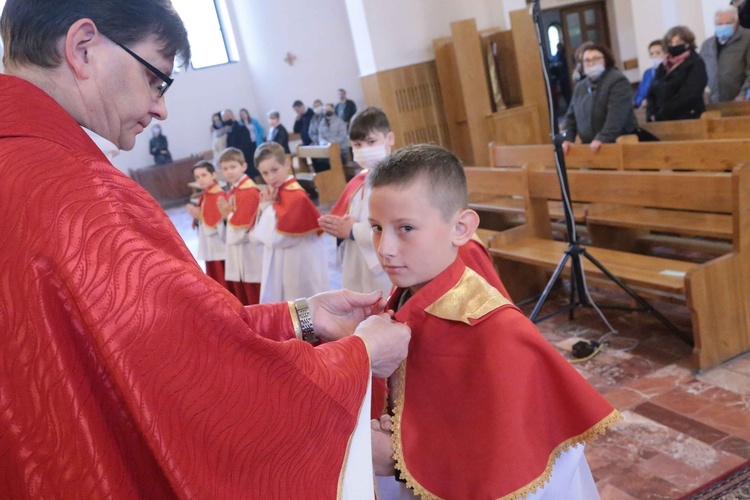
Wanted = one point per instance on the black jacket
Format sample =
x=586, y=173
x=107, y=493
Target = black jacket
x=678, y=95
x=280, y=136
x=302, y=125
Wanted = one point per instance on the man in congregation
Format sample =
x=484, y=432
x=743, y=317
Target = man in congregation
x=345, y=108
x=302, y=122
x=727, y=57
x=127, y=372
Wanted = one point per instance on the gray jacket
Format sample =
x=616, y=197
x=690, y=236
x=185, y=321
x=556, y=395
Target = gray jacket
x=729, y=70
x=601, y=110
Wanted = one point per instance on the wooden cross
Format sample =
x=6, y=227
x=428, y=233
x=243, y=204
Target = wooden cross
x=290, y=58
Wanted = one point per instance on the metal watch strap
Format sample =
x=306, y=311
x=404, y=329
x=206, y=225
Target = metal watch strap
x=305, y=320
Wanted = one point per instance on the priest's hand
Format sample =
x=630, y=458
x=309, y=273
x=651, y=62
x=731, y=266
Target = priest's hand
x=383, y=463
x=387, y=343
x=340, y=227
x=337, y=314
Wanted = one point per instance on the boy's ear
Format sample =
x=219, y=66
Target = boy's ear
x=390, y=139
x=467, y=223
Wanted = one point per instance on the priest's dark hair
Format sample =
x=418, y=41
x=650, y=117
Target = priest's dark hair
x=438, y=170
x=31, y=29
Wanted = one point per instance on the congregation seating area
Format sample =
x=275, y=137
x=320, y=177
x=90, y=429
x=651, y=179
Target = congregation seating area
x=630, y=196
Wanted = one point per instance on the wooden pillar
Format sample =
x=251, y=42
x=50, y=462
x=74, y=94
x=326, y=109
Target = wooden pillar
x=530, y=68
x=475, y=91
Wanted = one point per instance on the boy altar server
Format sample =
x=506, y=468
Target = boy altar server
x=483, y=406
x=295, y=262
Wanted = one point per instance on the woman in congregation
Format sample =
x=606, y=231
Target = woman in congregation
x=676, y=92
x=601, y=109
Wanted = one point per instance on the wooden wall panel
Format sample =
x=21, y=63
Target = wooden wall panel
x=411, y=98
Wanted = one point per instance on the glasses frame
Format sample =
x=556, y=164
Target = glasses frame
x=166, y=79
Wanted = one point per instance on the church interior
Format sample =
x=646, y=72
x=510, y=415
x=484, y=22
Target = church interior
x=669, y=219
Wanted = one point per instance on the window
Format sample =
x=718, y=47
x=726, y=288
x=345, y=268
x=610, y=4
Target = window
x=209, y=31
x=554, y=36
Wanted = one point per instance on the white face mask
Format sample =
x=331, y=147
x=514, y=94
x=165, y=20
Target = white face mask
x=369, y=156
x=319, y=110
x=594, y=72
x=656, y=61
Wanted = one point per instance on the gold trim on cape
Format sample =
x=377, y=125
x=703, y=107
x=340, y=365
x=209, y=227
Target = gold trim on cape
x=471, y=298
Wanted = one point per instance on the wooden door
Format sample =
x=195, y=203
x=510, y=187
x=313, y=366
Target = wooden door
x=585, y=22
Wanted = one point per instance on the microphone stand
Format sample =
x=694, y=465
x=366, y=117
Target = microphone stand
x=579, y=294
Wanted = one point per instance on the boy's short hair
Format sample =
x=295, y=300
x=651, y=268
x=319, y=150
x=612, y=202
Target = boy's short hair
x=437, y=168
x=659, y=42
x=269, y=150
x=317, y=101
x=204, y=164
x=273, y=114
x=371, y=118
x=297, y=103
x=232, y=154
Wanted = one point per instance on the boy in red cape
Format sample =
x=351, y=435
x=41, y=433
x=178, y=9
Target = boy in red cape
x=483, y=406
x=208, y=220
x=295, y=260
x=244, y=252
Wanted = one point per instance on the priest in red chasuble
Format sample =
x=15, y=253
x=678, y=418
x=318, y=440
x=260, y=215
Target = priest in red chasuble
x=127, y=372
x=483, y=406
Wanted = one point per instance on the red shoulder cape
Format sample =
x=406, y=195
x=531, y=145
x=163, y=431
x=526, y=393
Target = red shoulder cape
x=484, y=404
x=295, y=213
x=246, y=200
x=210, y=214
x=476, y=256
x=129, y=373
x=341, y=208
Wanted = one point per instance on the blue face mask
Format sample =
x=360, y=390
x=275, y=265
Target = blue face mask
x=724, y=32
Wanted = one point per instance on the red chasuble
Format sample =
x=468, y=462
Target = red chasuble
x=483, y=404
x=210, y=214
x=127, y=372
x=245, y=198
x=341, y=208
x=296, y=215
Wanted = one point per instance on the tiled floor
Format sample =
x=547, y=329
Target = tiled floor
x=680, y=428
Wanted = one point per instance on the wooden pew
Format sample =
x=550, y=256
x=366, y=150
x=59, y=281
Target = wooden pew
x=711, y=125
x=329, y=183
x=717, y=292
x=731, y=108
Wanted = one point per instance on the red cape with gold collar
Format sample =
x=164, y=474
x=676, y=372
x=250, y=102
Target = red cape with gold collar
x=210, y=214
x=127, y=372
x=484, y=403
x=341, y=208
x=295, y=213
x=245, y=198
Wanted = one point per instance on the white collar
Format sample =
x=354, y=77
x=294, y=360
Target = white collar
x=107, y=147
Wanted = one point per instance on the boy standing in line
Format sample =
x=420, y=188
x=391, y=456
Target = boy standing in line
x=483, y=406
x=244, y=253
x=295, y=262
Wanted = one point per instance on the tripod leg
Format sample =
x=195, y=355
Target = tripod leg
x=548, y=288
x=640, y=300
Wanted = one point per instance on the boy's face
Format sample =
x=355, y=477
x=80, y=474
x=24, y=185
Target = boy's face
x=373, y=148
x=273, y=172
x=204, y=178
x=413, y=241
x=274, y=122
x=233, y=170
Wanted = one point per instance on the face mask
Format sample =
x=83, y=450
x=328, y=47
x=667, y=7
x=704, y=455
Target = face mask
x=329, y=113
x=724, y=32
x=156, y=131
x=594, y=72
x=656, y=61
x=677, y=50
x=318, y=111
x=369, y=156
x=229, y=122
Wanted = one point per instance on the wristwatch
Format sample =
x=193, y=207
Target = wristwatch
x=305, y=320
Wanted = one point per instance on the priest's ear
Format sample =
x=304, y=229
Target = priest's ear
x=467, y=222
x=81, y=39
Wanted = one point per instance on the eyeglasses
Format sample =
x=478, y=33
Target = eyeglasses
x=592, y=60
x=160, y=89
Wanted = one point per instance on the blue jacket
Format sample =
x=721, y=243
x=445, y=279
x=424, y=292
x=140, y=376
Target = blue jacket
x=640, y=94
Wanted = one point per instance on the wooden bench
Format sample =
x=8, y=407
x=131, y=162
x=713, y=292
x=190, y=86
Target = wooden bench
x=717, y=292
x=329, y=183
x=711, y=125
x=731, y=108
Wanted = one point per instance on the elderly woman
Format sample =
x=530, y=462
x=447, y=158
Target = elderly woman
x=676, y=93
x=601, y=109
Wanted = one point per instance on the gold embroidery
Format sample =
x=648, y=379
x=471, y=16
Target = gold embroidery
x=471, y=298
x=247, y=184
x=294, y=186
x=215, y=189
